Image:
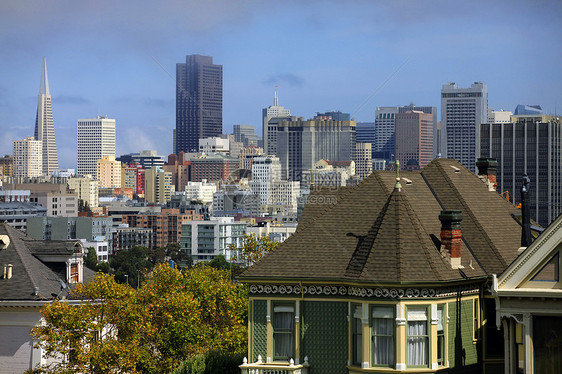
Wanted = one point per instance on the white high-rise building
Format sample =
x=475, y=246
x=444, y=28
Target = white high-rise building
x=201, y=191
x=462, y=112
x=28, y=157
x=96, y=139
x=267, y=184
x=273, y=111
x=44, y=127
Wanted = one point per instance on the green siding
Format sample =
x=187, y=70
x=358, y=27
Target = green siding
x=260, y=330
x=463, y=352
x=324, y=336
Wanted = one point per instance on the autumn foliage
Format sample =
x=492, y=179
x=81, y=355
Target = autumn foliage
x=252, y=249
x=113, y=328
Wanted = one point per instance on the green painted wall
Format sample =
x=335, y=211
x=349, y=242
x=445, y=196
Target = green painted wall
x=463, y=352
x=324, y=336
x=259, y=330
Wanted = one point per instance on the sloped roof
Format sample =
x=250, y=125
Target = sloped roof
x=28, y=272
x=389, y=233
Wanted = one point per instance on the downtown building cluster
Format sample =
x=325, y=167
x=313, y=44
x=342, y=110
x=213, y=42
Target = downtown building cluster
x=214, y=188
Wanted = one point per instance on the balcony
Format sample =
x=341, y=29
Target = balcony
x=259, y=367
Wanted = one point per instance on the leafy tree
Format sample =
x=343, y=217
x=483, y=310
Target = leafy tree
x=129, y=265
x=171, y=251
x=83, y=206
x=253, y=249
x=220, y=262
x=91, y=260
x=173, y=315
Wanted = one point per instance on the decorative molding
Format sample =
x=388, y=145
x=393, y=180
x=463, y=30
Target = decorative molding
x=364, y=292
x=400, y=366
x=535, y=248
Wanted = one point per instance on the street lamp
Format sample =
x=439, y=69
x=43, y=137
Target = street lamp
x=127, y=276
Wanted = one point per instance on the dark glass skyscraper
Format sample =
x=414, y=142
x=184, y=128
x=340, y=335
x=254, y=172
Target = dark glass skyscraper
x=198, y=102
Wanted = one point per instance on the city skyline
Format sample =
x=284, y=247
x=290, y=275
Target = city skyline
x=323, y=56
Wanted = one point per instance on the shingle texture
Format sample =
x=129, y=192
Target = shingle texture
x=374, y=233
x=28, y=272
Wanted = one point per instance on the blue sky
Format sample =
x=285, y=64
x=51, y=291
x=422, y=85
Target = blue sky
x=117, y=58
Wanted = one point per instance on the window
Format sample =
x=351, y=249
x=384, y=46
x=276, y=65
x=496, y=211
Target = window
x=441, y=335
x=357, y=338
x=283, y=332
x=74, y=273
x=383, y=335
x=418, y=338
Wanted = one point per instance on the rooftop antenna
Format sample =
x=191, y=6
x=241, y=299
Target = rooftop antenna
x=276, y=98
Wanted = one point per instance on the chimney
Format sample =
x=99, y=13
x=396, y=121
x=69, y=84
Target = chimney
x=487, y=172
x=451, y=236
x=525, y=213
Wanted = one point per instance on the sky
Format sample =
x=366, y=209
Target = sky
x=117, y=58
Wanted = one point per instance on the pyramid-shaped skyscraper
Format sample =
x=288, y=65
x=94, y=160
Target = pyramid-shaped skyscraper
x=44, y=128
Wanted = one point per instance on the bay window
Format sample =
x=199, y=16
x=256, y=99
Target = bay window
x=418, y=338
x=441, y=335
x=383, y=335
x=283, y=332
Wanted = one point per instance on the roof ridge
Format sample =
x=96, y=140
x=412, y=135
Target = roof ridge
x=469, y=212
x=419, y=230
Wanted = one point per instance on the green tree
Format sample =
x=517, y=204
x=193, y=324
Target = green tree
x=253, y=249
x=91, y=261
x=83, y=206
x=129, y=265
x=115, y=328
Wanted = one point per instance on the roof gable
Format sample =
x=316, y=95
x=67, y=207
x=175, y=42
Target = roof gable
x=533, y=259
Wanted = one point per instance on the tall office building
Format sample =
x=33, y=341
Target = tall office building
x=414, y=139
x=95, y=140
x=198, y=102
x=28, y=157
x=365, y=132
x=44, y=127
x=428, y=110
x=300, y=144
x=532, y=145
x=108, y=172
x=363, y=160
x=462, y=112
x=269, y=130
x=383, y=147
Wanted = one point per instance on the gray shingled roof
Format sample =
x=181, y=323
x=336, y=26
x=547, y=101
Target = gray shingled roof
x=373, y=234
x=29, y=273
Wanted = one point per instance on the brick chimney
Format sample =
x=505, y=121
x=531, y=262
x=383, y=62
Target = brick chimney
x=451, y=236
x=487, y=172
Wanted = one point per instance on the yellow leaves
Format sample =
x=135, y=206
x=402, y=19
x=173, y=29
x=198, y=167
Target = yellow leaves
x=150, y=329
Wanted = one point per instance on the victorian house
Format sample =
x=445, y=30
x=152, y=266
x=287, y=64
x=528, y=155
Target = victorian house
x=392, y=275
x=33, y=273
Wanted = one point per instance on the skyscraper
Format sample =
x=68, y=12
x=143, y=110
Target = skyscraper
x=198, y=102
x=383, y=147
x=530, y=144
x=44, y=128
x=462, y=112
x=269, y=130
x=95, y=140
x=414, y=138
x=300, y=144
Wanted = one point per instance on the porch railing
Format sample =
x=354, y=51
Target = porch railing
x=259, y=367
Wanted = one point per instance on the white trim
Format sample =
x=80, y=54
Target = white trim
x=400, y=366
x=268, y=315
x=529, y=261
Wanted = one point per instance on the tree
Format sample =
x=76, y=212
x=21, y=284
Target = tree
x=253, y=248
x=83, y=206
x=152, y=329
x=129, y=265
x=91, y=261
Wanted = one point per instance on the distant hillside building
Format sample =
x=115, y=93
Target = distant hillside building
x=6, y=166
